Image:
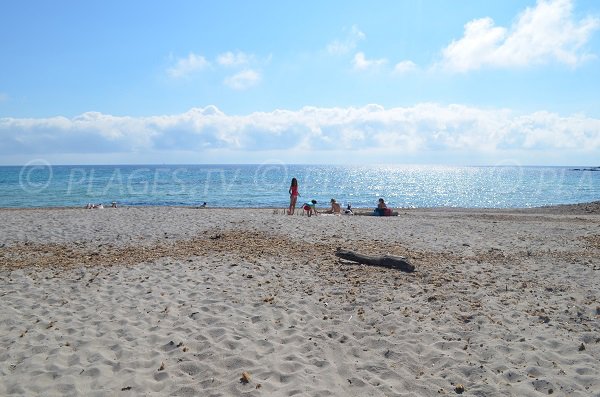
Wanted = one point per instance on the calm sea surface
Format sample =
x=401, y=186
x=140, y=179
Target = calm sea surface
x=266, y=185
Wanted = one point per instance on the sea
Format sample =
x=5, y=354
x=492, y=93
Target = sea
x=40, y=184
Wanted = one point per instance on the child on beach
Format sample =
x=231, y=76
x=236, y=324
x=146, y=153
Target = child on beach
x=309, y=208
x=293, y=196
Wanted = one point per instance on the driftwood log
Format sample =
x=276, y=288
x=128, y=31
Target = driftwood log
x=390, y=261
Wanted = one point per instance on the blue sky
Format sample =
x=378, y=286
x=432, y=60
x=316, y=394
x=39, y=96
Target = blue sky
x=441, y=82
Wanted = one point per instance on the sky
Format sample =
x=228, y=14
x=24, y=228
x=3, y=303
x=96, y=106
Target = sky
x=346, y=82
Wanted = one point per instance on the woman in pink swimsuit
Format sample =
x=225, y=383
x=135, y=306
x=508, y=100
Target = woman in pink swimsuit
x=293, y=196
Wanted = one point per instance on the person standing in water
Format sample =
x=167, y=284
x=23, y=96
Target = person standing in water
x=293, y=196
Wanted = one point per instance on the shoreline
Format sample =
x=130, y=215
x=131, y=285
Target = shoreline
x=177, y=301
x=593, y=206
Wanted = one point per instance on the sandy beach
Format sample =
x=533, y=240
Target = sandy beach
x=163, y=301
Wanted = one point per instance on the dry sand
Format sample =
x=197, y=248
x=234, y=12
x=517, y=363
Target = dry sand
x=182, y=301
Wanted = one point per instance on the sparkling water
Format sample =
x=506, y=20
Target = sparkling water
x=266, y=185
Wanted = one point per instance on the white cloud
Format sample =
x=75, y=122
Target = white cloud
x=547, y=32
x=360, y=62
x=405, y=67
x=347, y=45
x=238, y=63
x=243, y=80
x=419, y=129
x=185, y=66
x=234, y=59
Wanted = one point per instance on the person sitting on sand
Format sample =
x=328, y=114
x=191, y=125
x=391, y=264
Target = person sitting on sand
x=310, y=208
x=203, y=205
x=380, y=210
x=348, y=210
x=335, y=208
